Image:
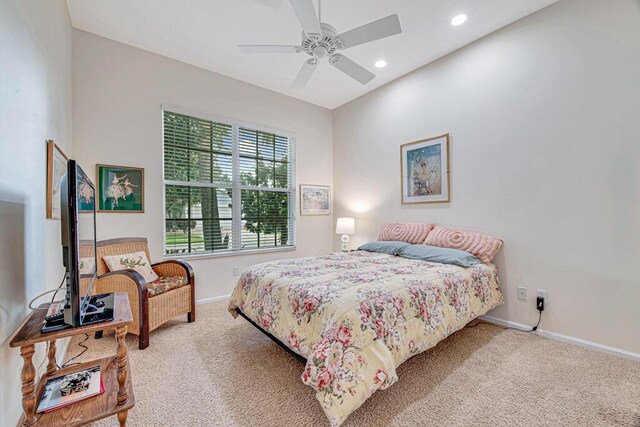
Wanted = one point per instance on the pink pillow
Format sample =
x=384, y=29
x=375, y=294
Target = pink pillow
x=483, y=246
x=404, y=232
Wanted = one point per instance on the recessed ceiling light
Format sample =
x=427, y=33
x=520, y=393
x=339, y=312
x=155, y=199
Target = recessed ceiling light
x=381, y=63
x=459, y=20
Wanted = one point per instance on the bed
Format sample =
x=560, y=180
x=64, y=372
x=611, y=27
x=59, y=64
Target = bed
x=356, y=316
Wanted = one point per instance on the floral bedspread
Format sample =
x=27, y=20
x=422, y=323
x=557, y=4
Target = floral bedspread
x=357, y=316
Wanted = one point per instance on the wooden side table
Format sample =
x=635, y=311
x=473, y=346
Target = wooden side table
x=116, y=376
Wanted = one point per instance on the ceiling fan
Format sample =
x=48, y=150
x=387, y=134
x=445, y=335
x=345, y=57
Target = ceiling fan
x=320, y=40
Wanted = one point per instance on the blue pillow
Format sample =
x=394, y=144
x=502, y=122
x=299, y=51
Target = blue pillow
x=441, y=255
x=384, y=247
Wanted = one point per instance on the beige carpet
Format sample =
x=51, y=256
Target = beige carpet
x=221, y=371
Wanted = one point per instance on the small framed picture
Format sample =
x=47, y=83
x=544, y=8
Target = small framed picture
x=56, y=168
x=315, y=200
x=120, y=189
x=424, y=170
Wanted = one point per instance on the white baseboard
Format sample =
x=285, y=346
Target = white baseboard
x=565, y=338
x=505, y=323
x=212, y=299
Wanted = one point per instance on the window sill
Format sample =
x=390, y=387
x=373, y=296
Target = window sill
x=187, y=257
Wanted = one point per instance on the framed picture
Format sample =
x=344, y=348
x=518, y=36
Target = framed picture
x=120, y=189
x=424, y=170
x=315, y=200
x=56, y=168
x=86, y=197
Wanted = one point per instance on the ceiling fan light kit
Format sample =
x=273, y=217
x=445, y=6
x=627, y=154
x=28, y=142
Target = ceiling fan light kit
x=320, y=40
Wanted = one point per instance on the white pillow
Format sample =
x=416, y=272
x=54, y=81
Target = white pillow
x=136, y=261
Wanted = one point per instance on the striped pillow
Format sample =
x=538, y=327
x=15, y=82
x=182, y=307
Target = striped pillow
x=483, y=246
x=404, y=232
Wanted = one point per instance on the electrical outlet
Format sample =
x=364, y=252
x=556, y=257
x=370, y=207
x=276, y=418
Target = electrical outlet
x=236, y=271
x=522, y=294
x=541, y=293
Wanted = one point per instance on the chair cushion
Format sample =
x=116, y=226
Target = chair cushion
x=165, y=284
x=136, y=261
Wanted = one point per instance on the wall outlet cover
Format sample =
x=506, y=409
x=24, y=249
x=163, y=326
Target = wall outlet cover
x=522, y=294
x=541, y=293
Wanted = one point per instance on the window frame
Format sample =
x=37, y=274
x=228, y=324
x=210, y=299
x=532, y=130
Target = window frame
x=236, y=187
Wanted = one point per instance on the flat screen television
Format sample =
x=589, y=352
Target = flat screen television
x=78, y=226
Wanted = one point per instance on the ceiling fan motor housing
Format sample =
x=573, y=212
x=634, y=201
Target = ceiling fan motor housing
x=320, y=40
x=321, y=45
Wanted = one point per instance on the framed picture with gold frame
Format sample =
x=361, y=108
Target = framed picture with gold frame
x=120, y=189
x=424, y=170
x=56, y=168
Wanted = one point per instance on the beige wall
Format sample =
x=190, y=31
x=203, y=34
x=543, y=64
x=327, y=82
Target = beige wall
x=117, y=96
x=544, y=122
x=35, y=105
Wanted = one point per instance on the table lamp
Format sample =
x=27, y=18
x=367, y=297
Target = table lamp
x=345, y=226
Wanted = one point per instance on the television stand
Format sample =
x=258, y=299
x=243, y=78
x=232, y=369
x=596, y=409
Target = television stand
x=116, y=375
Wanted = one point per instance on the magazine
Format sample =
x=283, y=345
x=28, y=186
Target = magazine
x=68, y=389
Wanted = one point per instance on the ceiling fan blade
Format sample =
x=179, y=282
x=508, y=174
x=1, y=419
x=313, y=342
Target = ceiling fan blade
x=306, y=14
x=305, y=74
x=375, y=30
x=351, y=68
x=268, y=48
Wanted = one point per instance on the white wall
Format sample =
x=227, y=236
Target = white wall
x=35, y=105
x=544, y=122
x=117, y=96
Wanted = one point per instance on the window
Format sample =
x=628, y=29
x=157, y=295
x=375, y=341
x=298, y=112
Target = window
x=228, y=187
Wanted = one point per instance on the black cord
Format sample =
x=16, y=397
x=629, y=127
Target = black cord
x=52, y=299
x=535, y=328
x=59, y=287
x=80, y=344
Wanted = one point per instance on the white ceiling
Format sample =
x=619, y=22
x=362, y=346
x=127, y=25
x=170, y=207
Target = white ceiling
x=205, y=33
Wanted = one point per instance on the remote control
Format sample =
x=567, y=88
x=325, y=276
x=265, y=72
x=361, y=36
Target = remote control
x=54, y=317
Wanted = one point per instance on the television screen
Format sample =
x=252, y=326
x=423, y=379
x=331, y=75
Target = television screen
x=86, y=232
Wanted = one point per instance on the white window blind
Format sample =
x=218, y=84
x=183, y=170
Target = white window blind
x=228, y=187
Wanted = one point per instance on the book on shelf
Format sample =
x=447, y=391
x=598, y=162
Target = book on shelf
x=66, y=390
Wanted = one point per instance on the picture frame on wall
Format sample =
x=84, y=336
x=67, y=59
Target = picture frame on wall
x=424, y=170
x=315, y=199
x=56, y=168
x=120, y=189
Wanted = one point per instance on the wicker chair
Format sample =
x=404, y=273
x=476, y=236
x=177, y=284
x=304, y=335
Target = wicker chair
x=149, y=312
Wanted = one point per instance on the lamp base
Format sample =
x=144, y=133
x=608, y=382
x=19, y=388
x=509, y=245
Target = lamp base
x=345, y=242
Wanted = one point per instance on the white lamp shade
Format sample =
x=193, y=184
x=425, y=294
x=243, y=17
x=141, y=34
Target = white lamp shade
x=345, y=226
